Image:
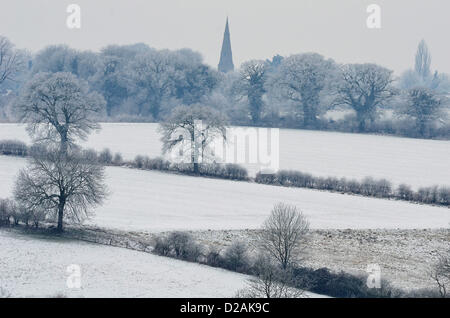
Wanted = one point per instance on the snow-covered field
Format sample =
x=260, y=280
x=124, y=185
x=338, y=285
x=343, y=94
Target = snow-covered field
x=155, y=201
x=416, y=162
x=37, y=267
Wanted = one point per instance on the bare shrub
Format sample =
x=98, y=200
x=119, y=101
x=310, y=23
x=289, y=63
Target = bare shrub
x=213, y=257
x=162, y=246
x=183, y=246
x=38, y=215
x=265, y=178
x=235, y=172
x=105, y=157
x=90, y=155
x=179, y=242
x=4, y=293
x=157, y=164
x=404, y=192
x=440, y=273
x=383, y=188
x=118, y=159
x=6, y=211
x=444, y=196
x=139, y=161
x=13, y=148
x=179, y=245
x=26, y=216
x=270, y=281
x=15, y=212
x=283, y=232
x=236, y=257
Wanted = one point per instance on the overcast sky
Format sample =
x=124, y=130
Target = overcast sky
x=259, y=28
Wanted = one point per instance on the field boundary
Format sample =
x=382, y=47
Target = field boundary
x=368, y=187
x=335, y=283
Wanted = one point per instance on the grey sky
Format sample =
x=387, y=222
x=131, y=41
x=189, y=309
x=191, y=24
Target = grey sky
x=259, y=28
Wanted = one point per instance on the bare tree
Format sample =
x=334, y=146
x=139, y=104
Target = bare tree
x=197, y=125
x=440, y=273
x=11, y=60
x=59, y=106
x=271, y=281
x=67, y=185
x=252, y=80
x=364, y=87
x=6, y=211
x=283, y=232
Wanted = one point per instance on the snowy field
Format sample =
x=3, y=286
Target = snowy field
x=36, y=267
x=155, y=201
x=416, y=162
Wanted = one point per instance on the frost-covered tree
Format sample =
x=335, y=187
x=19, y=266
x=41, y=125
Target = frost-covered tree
x=158, y=76
x=422, y=76
x=364, y=88
x=113, y=73
x=301, y=79
x=66, y=185
x=11, y=60
x=424, y=106
x=59, y=107
x=423, y=61
x=152, y=79
x=196, y=79
x=61, y=58
x=197, y=126
x=251, y=85
x=110, y=81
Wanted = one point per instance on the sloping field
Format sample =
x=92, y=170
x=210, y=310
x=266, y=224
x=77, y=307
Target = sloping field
x=37, y=267
x=416, y=162
x=155, y=201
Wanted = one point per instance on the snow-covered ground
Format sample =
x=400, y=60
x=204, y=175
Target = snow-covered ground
x=416, y=162
x=37, y=267
x=156, y=201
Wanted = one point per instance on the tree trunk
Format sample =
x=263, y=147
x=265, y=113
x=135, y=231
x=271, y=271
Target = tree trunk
x=421, y=124
x=64, y=142
x=309, y=116
x=194, y=153
x=361, y=122
x=60, y=215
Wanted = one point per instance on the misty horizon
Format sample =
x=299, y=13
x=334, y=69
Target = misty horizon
x=255, y=34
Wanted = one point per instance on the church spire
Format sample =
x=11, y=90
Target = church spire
x=226, y=56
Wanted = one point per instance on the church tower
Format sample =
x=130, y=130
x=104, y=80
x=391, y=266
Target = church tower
x=226, y=56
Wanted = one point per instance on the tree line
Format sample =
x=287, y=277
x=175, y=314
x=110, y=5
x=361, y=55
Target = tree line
x=307, y=90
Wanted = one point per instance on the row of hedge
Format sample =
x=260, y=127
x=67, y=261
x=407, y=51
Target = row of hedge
x=370, y=187
x=223, y=171
x=13, y=148
x=13, y=214
x=181, y=245
x=237, y=258
x=106, y=157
